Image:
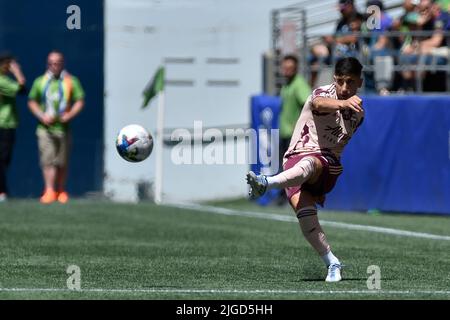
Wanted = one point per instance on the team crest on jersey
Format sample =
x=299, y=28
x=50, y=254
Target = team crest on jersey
x=350, y=115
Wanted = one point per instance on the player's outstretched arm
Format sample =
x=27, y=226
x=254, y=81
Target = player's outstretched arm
x=323, y=104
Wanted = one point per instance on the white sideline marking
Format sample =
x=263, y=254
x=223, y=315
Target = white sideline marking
x=279, y=217
x=231, y=291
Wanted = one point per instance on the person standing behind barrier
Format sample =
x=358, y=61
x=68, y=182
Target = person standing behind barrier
x=294, y=94
x=8, y=113
x=55, y=99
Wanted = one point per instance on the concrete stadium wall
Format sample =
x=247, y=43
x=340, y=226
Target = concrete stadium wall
x=140, y=36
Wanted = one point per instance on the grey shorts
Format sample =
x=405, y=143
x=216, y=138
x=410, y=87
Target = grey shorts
x=53, y=148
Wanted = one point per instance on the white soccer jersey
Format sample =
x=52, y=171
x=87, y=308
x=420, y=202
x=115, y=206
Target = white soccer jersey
x=323, y=131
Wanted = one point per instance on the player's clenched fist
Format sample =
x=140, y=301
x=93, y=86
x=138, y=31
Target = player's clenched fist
x=354, y=103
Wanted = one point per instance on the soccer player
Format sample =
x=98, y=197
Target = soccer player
x=311, y=164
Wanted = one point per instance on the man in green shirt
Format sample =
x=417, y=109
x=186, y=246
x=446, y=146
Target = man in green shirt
x=294, y=94
x=9, y=121
x=55, y=99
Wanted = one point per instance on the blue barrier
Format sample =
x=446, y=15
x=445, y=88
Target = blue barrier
x=30, y=31
x=399, y=159
x=265, y=112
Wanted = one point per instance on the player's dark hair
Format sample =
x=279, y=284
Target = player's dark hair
x=348, y=66
x=291, y=57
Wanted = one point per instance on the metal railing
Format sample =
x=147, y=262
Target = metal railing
x=364, y=54
x=318, y=15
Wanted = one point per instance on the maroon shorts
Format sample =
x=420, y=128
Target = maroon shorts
x=331, y=170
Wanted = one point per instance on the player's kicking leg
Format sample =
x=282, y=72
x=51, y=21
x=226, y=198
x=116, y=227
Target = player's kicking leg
x=308, y=169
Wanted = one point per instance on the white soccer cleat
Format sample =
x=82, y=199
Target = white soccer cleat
x=334, y=273
x=258, y=184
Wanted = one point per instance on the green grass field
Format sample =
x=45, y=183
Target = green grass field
x=146, y=251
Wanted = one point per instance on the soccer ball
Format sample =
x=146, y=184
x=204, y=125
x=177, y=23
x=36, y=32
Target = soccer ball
x=134, y=143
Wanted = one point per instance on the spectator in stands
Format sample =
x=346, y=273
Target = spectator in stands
x=356, y=22
x=428, y=49
x=9, y=121
x=403, y=44
x=294, y=94
x=409, y=6
x=378, y=42
x=438, y=22
x=407, y=22
x=348, y=10
x=434, y=50
x=377, y=23
x=347, y=42
x=55, y=99
x=321, y=53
